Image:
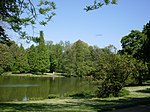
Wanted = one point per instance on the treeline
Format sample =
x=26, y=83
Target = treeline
x=77, y=59
x=112, y=69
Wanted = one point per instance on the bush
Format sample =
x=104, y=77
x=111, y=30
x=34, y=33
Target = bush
x=15, y=72
x=123, y=92
x=104, y=93
x=52, y=96
x=1, y=70
x=78, y=95
x=7, y=73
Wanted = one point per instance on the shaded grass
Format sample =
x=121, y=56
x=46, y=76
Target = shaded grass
x=73, y=105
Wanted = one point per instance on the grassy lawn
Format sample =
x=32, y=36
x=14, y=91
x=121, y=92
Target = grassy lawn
x=139, y=95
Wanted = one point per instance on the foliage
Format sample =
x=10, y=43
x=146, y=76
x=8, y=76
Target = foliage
x=20, y=61
x=6, y=59
x=77, y=60
x=136, y=44
x=98, y=4
x=123, y=92
x=19, y=14
x=32, y=58
x=113, y=73
x=52, y=96
x=132, y=44
x=38, y=56
x=56, y=56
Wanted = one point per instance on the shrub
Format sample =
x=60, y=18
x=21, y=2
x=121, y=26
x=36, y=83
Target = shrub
x=1, y=70
x=123, y=92
x=78, y=95
x=52, y=96
x=15, y=72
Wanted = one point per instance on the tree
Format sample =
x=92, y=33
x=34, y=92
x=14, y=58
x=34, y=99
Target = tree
x=112, y=73
x=43, y=55
x=132, y=44
x=146, y=45
x=136, y=45
x=4, y=37
x=78, y=62
x=24, y=66
x=32, y=58
x=19, y=14
x=20, y=61
x=6, y=59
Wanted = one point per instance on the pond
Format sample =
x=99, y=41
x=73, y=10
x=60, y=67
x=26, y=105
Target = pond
x=19, y=88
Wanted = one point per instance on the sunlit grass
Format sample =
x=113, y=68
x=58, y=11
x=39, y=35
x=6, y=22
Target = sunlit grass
x=32, y=75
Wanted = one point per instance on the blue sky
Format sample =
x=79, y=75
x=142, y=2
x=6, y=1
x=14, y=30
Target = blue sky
x=112, y=22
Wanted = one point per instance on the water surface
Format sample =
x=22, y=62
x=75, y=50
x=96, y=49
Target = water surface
x=20, y=88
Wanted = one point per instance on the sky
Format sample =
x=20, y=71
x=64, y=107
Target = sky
x=101, y=27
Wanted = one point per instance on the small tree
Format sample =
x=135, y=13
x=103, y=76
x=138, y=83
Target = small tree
x=113, y=74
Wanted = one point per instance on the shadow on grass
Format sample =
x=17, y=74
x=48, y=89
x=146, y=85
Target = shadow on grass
x=147, y=90
x=76, y=106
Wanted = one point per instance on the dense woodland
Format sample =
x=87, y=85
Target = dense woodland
x=113, y=69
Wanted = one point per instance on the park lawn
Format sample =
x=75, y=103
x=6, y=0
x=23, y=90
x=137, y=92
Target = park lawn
x=139, y=95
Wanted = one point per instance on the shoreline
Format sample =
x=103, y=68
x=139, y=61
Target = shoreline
x=33, y=75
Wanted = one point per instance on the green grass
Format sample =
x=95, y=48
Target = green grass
x=139, y=95
x=32, y=75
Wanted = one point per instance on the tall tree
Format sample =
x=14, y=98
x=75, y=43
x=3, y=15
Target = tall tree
x=20, y=61
x=32, y=58
x=6, y=59
x=78, y=61
x=43, y=55
x=146, y=45
x=132, y=44
x=56, y=53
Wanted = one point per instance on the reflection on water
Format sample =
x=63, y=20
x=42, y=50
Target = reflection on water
x=24, y=88
x=24, y=98
x=19, y=85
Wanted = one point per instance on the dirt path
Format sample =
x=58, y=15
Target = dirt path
x=139, y=108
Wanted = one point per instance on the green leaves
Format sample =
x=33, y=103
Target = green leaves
x=19, y=14
x=98, y=4
x=136, y=44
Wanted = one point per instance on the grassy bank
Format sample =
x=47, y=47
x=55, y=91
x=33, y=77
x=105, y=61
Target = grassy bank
x=139, y=95
x=33, y=75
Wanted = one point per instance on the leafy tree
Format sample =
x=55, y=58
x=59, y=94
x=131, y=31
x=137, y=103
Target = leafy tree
x=6, y=59
x=20, y=61
x=140, y=73
x=43, y=55
x=22, y=13
x=68, y=61
x=55, y=54
x=113, y=73
x=132, y=44
x=32, y=58
x=146, y=45
x=24, y=66
x=78, y=62
x=4, y=37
